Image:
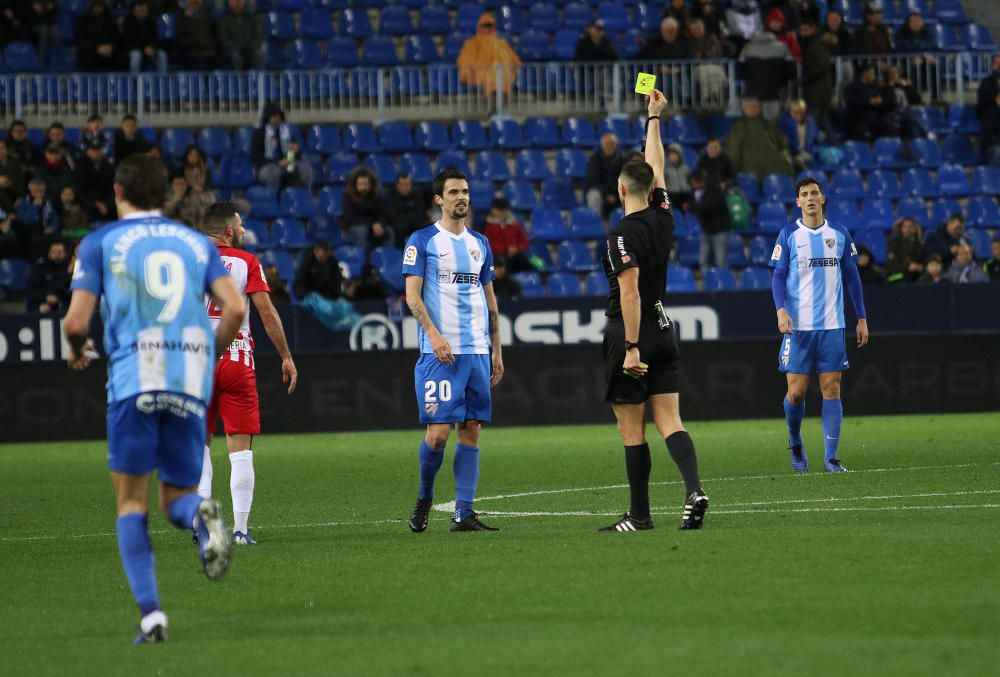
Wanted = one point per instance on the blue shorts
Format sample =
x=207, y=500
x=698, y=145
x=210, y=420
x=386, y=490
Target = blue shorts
x=158, y=430
x=453, y=393
x=813, y=352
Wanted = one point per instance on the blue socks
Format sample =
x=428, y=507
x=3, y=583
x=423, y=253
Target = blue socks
x=833, y=416
x=430, y=463
x=466, y=477
x=182, y=511
x=136, y=552
x=793, y=416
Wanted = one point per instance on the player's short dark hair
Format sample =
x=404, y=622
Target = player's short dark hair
x=807, y=181
x=143, y=179
x=218, y=216
x=446, y=174
x=637, y=176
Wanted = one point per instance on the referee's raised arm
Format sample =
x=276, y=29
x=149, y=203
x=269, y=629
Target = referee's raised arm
x=654, y=145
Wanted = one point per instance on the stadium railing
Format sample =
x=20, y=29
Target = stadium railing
x=421, y=92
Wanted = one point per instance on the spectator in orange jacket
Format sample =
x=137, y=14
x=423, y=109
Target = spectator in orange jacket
x=482, y=54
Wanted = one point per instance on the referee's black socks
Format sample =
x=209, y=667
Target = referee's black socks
x=638, y=465
x=681, y=449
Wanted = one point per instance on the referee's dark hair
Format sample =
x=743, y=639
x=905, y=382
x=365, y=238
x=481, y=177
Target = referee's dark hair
x=807, y=181
x=437, y=188
x=143, y=179
x=637, y=176
x=219, y=215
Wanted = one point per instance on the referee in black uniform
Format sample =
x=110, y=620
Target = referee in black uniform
x=640, y=344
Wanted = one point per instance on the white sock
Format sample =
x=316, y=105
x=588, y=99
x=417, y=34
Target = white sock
x=205, y=484
x=241, y=486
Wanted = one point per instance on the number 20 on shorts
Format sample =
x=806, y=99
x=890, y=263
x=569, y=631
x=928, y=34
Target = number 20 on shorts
x=437, y=390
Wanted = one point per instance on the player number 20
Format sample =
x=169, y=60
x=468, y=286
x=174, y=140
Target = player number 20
x=433, y=390
x=165, y=281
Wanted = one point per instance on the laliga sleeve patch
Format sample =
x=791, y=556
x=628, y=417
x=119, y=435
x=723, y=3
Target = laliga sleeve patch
x=410, y=257
x=776, y=255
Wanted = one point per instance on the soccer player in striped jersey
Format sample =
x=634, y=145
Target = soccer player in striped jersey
x=812, y=261
x=449, y=289
x=151, y=274
x=235, y=394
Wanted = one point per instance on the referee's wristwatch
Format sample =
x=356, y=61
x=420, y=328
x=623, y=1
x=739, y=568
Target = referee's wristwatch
x=629, y=345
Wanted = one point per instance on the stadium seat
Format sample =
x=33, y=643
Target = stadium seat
x=883, y=184
x=541, y=257
x=577, y=16
x=843, y=213
x=575, y=256
x=958, y=150
x=354, y=23
x=338, y=166
x=420, y=49
x=684, y=129
x=452, y=46
x=481, y=194
x=685, y=225
x=680, y=280
x=571, y=163
x=289, y=233
x=558, y=193
x=235, y=171
x=257, y=236
x=621, y=128
x=330, y=202
x=388, y=261
x=342, y=52
x=316, y=23
x=945, y=38
x=846, y=184
x=491, y=165
x=736, y=256
x=395, y=136
x=214, y=141
x=243, y=139
x=263, y=202
x=986, y=180
x=942, y=209
x=579, y=132
x=978, y=38
x=749, y=185
x=926, y=153
x=296, y=202
x=510, y=19
x=585, y=224
x=931, y=118
x=982, y=244
x=383, y=166
x=379, y=50
x=595, y=284
x=963, y=119
x=351, y=256
x=952, y=182
x=857, y=155
x=469, y=135
x=432, y=136
x=547, y=225
x=754, y=279
x=919, y=183
x=507, y=134
x=876, y=214
x=282, y=260
x=771, y=217
x=323, y=139
x=174, y=141
x=913, y=208
x=279, y=26
x=467, y=18
x=454, y=158
x=14, y=275
x=307, y=55
x=541, y=132
x=543, y=17
x=778, y=188
x=716, y=125
x=534, y=46
x=615, y=217
x=20, y=57
x=434, y=19
x=360, y=138
x=688, y=250
x=563, y=285
x=531, y=165
x=395, y=20
x=890, y=153
x=760, y=251
x=418, y=166
x=718, y=279
x=564, y=44
x=530, y=283
x=614, y=16
x=874, y=240
x=982, y=212
x=520, y=194
x=949, y=11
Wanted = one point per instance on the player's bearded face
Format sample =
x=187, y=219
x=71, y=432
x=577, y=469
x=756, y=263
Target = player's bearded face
x=238, y=236
x=455, y=201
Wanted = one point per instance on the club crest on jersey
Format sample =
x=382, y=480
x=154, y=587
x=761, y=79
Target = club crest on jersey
x=430, y=408
x=475, y=254
x=410, y=257
x=830, y=242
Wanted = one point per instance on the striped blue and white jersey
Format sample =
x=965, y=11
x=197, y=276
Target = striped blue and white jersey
x=151, y=275
x=454, y=269
x=814, y=258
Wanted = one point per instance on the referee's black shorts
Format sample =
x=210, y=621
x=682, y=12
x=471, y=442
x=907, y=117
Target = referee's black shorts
x=658, y=349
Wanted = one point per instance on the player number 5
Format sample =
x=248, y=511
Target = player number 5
x=165, y=281
x=437, y=389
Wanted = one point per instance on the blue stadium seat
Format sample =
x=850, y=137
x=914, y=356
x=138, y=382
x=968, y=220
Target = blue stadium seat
x=621, y=128
x=395, y=20
x=986, y=180
x=360, y=138
x=379, y=50
x=243, y=139
x=685, y=225
x=857, y=155
x=771, y=217
x=20, y=57
x=467, y=18
x=982, y=244
x=736, y=256
x=481, y=194
x=982, y=212
x=680, y=280
x=931, y=118
x=432, y=136
x=543, y=17
x=847, y=184
x=949, y=11
x=354, y=23
x=296, y=202
x=615, y=217
x=507, y=134
x=531, y=165
x=14, y=275
x=876, y=214
x=257, y=238
x=595, y=284
x=926, y=153
x=351, y=256
x=510, y=19
x=540, y=254
x=577, y=16
x=547, y=225
x=307, y=55
x=564, y=44
x=890, y=153
x=395, y=136
x=873, y=240
x=571, y=163
x=958, y=150
x=585, y=224
x=289, y=233
x=919, y=183
x=883, y=183
x=535, y=46
x=559, y=193
x=454, y=158
x=316, y=23
x=749, y=185
x=684, y=129
x=283, y=261
x=420, y=49
x=542, y=132
x=614, y=16
x=688, y=250
x=263, y=202
x=754, y=279
x=963, y=119
x=323, y=139
x=279, y=26
x=942, y=209
x=383, y=166
x=290, y=5
x=434, y=19
x=778, y=188
x=579, y=132
x=913, y=208
x=945, y=38
x=530, y=283
x=843, y=213
x=214, y=141
x=62, y=59
x=760, y=251
x=175, y=140
x=342, y=52
x=469, y=135
x=520, y=194
x=330, y=202
x=717, y=125
x=719, y=279
x=563, y=285
x=418, y=166
x=952, y=182
x=235, y=171
x=575, y=256
x=978, y=38
x=492, y=166
x=338, y=166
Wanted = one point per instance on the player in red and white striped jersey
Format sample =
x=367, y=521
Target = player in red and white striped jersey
x=234, y=396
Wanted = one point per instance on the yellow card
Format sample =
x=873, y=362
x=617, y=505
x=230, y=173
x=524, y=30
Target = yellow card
x=644, y=83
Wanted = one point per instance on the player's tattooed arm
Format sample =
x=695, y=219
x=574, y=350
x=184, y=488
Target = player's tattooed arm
x=415, y=302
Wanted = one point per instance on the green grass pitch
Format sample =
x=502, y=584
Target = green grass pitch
x=891, y=569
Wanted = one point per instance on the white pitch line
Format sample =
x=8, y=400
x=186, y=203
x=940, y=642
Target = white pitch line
x=747, y=512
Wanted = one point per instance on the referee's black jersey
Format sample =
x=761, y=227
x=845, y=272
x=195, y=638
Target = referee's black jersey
x=644, y=240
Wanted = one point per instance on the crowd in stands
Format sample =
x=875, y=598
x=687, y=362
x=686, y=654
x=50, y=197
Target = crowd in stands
x=727, y=186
